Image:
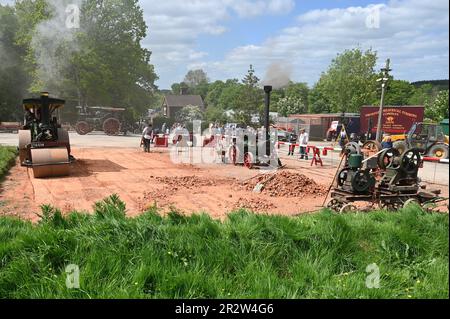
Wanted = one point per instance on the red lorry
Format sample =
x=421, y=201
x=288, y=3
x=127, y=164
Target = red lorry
x=396, y=119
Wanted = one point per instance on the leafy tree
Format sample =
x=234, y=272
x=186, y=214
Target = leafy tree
x=423, y=95
x=13, y=80
x=195, y=77
x=250, y=98
x=349, y=82
x=291, y=105
x=298, y=91
x=438, y=109
x=109, y=65
x=215, y=114
x=189, y=114
x=318, y=102
x=398, y=92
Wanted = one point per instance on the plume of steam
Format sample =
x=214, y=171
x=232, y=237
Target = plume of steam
x=53, y=42
x=278, y=75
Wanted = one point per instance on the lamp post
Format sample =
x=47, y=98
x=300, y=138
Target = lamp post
x=384, y=80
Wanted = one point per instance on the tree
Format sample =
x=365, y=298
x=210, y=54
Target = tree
x=195, y=77
x=350, y=81
x=438, y=109
x=13, y=80
x=250, y=98
x=398, y=93
x=291, y=105
x=189, y=113
x=102, y=63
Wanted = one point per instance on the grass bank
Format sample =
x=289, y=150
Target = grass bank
x=324, y=255
x=7, y=159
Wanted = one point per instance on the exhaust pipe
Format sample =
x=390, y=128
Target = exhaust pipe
x=267, y=90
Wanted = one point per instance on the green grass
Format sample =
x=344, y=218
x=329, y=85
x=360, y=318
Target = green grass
x=324, y=255
x=7, y=159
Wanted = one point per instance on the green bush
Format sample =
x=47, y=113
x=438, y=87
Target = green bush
x=247, y=256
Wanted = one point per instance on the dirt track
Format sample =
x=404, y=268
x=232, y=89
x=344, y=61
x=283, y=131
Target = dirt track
x=141, y=180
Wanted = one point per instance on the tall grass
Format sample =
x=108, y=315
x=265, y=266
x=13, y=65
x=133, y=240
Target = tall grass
x=7, y=159
x=247, y=256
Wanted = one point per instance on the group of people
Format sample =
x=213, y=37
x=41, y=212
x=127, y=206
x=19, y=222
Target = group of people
x=302, y=140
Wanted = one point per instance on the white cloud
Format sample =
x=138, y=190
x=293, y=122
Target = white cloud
x=414, y=34
x=175, y=26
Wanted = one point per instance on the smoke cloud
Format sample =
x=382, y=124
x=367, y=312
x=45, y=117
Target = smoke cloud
x=278, y=75
x=54, y=41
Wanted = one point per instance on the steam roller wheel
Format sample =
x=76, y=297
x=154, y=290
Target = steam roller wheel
x=24, y=141
x=111, y=126
x=83, y=128
x=63, y=138
x=410, y=161
x=249, y=160
x=411, y=201
x=50, y=162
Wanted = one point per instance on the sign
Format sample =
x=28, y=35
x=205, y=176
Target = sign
x=396, y=120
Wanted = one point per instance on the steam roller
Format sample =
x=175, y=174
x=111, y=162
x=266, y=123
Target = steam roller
x=43, y=145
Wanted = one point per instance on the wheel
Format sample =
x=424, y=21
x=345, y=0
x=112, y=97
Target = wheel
x=352, y=148
x=386, y=158
x=372, y=146
x=439, y=151
x=111, y=127
x=342, y=177
x=83, y=128
x=410, y=161
x=400, y=146
x=362, y=181
x=249, y=160
x=411, y=201
x=335, y=205
x=347, y=208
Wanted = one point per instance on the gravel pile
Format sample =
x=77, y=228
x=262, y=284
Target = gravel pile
x=253, y=204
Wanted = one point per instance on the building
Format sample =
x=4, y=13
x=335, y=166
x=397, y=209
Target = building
x=172, y=104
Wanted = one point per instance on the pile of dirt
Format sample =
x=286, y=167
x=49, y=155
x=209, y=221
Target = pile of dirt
x=189, y=182
x=286, y=184
x=253, y=204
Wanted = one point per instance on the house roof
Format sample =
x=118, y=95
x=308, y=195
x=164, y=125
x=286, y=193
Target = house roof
x=183, y=100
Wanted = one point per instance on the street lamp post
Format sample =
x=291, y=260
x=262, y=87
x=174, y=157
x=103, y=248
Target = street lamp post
x=384, y=80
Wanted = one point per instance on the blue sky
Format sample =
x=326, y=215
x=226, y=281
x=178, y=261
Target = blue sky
x=300, y=37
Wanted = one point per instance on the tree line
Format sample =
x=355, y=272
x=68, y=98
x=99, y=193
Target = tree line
x=349, y=83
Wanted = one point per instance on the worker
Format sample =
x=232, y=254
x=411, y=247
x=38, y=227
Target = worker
x=303, y=141
x=387, y=142
x=147, y=136
x=342, y=138
x=292, y=139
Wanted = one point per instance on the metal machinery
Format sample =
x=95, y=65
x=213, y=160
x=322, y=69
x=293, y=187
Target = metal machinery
x=389, y=179
x=255, y=148
x=429, y=138
x=43, y=144
x=107, y=119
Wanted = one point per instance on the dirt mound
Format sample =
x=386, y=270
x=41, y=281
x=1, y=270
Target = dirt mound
x=190, y=182
x=253, y=204
x=286, y=184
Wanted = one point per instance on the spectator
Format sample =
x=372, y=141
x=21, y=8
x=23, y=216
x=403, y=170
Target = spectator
x=292, y=140
x=387, y=142
x=303, y=140
x=147, y=136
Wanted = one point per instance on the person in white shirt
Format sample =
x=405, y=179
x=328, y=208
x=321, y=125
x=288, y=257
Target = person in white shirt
x=303, y=140
x=147, y=136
